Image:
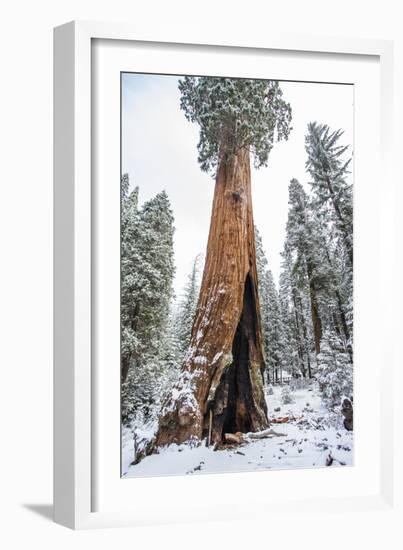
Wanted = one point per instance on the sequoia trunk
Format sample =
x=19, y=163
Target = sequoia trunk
x=220, y=388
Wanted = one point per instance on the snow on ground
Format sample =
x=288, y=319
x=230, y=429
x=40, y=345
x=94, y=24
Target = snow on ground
x=312, y=434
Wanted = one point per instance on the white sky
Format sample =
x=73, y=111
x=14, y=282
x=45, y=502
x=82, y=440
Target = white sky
x=159, y=152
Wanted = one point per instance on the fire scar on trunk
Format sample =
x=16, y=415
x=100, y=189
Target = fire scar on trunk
x=235, y=405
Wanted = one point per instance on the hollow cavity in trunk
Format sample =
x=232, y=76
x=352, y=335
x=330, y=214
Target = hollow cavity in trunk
x=234, y=405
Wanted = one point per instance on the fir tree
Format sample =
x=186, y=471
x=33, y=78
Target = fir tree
x=286, y=395
x=333, y=201
x=130, y=265
x=303, y=241
x=147, y=270
x=297, y=340
x=272, y=328
x=335, y=374
x=275, y=331
x=261, y=265
x=187, y=307
x=157, y=268
x=329, y=172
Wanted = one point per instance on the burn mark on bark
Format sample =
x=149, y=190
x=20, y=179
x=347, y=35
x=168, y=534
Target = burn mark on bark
x=235, y=408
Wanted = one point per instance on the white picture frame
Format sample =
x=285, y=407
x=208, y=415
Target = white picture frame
x=77, y=472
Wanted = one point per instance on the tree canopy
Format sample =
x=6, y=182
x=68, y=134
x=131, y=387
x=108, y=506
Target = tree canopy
x=234, y=113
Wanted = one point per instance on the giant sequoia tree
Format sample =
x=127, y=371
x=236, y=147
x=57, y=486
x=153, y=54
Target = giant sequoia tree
x=220, y=388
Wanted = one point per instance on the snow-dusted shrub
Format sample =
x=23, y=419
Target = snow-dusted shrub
x=286, y=395
x=335, y=371
x=269, y=390
x=142, y=436
x=299, y=384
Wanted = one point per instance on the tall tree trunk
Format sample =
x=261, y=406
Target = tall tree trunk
x=125, y=364
x=316, y=320
x=220, y=388
x=305, y=337
x=299, y=342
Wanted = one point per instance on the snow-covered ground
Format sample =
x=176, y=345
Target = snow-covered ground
x=313, y=438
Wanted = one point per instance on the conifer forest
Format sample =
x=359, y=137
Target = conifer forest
x=236, y=356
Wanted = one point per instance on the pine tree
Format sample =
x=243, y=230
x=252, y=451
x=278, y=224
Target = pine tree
x=187, y=307
x=170, y=360
x=333, y=200
x=316, y=272
x=130, y=265
x=329, y=173
x=286, y=396
x=316, y=257
x=272, y=328
x=261, y=265
x=158, y=268
x=335, y=371
x=147, y=270
x=297, y=340
x=302, y=241
x=276, y=329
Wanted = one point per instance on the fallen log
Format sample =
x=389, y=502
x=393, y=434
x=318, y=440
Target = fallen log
x=238, y=437
x=264, y=434
x=280, y=420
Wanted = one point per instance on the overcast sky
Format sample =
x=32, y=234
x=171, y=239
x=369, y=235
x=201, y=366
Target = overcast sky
x=159, y=152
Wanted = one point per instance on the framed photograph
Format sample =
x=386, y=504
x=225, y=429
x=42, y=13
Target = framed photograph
x=221, y=212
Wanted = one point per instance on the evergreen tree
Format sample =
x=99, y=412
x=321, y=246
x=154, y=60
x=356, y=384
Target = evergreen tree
x=275, y=332
x=297, y=340
x=329, y=172
x=187, y=307
x=335, y=371
x=286, y=395
x=157, y=268
x=237, y=118
x=171, y=353
x=333, y=201
x=235, y=114
x=303, y=242
x=147, y=270
x=130, y=265
x=317, y=258
x=316, y=278
x=272, y=328
x=261, y=265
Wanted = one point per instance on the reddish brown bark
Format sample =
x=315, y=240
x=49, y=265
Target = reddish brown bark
x=221, y=385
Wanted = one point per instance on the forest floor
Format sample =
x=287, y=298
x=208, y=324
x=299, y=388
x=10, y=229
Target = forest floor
x=313, y=437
